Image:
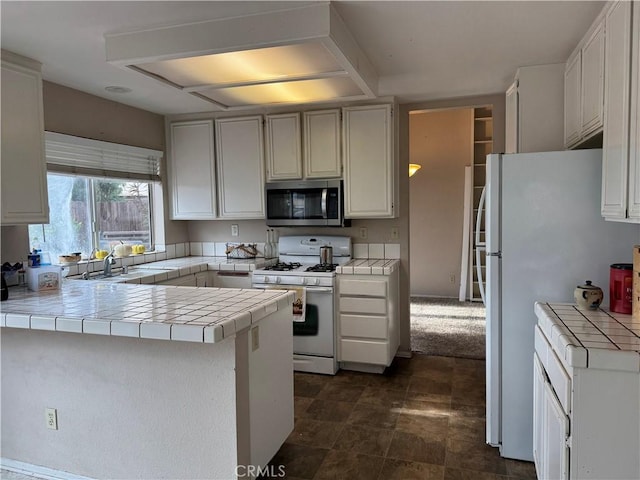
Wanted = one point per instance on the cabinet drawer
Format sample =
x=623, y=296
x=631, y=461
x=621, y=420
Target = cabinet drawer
x=364, y=351
x=363, y=305
x=558, y=376
x=541, y=345
x=363, y=326
x=367, y=288
x=559, y=380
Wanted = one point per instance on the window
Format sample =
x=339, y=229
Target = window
x=99, y=195
x=88, y=213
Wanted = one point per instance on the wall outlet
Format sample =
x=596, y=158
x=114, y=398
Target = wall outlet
x=51, y=418
x=394, y=233
x=363, y=232
x=452, y=278
x=255, y=338
x=234, y=230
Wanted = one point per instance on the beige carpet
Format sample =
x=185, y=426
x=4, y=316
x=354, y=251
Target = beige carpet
x=447, y=327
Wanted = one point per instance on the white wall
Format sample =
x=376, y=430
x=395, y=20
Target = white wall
x=127, y=408
x=442, y=142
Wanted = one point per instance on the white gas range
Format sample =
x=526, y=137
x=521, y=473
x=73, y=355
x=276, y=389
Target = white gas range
x=298, y=267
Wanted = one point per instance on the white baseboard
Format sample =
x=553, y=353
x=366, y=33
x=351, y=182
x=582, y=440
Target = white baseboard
x=38, y=471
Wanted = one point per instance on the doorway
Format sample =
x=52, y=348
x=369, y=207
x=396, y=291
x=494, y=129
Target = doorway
x=444, y=142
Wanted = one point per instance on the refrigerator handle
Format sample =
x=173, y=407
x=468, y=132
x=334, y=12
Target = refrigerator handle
x=480, y=246
x=479, y=251
x=479, y=217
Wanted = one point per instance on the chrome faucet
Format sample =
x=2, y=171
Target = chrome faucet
x=108, y=262
x=85, y=274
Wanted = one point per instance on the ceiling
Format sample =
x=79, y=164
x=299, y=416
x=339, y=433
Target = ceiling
x=421, y=50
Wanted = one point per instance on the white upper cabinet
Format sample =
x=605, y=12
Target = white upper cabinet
x=24, y=168
x=322, y=157
x=593, y=82
x=283, y=149
x=615, y=148
x=584, y=87
x=634, y=144
x=572, y=94
x=369, y=162
x=191, y=170
x=240, y=167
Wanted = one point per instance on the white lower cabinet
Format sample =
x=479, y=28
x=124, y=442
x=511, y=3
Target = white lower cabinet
x=200, y=279
x=586, y=419
x=550, y=420
x=224, y=279
x=368, y=319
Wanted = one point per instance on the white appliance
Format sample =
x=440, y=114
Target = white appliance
x=299, y=267
x=544, y=236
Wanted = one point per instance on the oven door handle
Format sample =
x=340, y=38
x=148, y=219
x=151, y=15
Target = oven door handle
x=319, y=289
x=324, y=202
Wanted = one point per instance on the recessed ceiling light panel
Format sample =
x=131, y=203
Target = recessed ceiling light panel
x=301, y=55
x=248, y=66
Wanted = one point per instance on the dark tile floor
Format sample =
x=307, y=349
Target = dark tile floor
x=423, y=419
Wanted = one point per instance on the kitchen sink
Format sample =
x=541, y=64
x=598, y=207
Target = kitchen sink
x=133, y=273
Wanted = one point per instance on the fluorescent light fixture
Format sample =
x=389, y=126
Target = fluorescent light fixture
x=299, y=55
x=413, y=168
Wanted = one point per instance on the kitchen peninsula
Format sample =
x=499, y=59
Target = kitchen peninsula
x=148, y=381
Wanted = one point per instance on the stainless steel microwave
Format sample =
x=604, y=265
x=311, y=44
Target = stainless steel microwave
x=305, y=203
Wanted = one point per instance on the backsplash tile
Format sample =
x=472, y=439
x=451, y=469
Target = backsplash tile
x=392, y=250
x=196, y=248
x=360, y=250
x=208, y=249
x=376, y=250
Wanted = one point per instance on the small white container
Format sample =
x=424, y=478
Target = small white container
x=44, y=278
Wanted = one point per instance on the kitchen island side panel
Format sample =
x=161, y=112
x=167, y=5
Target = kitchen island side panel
x=606, y=425
x=127, y=407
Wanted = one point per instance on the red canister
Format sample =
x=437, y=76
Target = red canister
x=621, y=287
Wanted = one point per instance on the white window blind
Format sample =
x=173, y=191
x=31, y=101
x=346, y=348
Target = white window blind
x=83, y=156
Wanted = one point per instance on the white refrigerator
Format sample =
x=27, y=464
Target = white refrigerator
x=544, y=236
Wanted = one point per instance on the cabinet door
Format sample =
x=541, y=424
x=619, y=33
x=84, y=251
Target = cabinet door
x=322, y=144
x=538, y=413
x=239, y=148
x=511, y=119
x=572, y=95
x=555, y=451
x=634, y=146
x=24, y=169
x=191, y=170
x=368, y=159
x=593, y=82
x=284, y=159
x=615, y=144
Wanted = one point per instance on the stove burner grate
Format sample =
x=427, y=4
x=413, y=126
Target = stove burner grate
x=283, y=266
x=322, y=267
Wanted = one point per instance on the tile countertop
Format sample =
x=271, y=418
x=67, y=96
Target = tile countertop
x=370, y=266
x=204, y=315
x=591, y=338
x=178, y=267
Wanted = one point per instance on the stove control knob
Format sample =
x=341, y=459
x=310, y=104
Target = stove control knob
x=316, y=281
x=266, y=279
x=278, y=280
x=304, y=281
